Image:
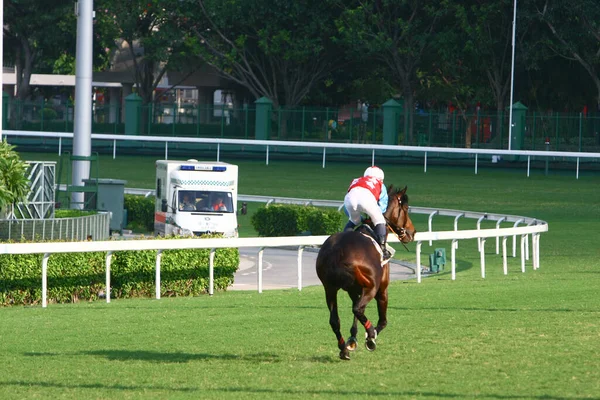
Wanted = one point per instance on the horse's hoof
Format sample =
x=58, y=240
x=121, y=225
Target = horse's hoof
x=370, y=344
x=344, y=355
x=351, y=343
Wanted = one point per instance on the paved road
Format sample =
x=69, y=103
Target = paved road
x=280, y=269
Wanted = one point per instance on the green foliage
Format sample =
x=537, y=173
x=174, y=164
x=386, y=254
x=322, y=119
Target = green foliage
x=265, y=46
x=140, y=212
x=81, y=276
x=291, y=220
x=14, y=185
x=134, y=24
x=324, y=221
x=71, y=277
x=48, y=114
x=70, y=213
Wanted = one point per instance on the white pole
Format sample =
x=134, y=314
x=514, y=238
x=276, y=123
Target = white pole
x=453, y=258
x=1, y=62
x=82, y=134
x=418, y=251
x=157, y=274
x=300, y=250
x=45, y=280
x=108, y=260
x=211, y=272
x=512, y=75
x=260, y=272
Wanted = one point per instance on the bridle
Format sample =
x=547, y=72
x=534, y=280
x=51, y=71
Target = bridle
x=398, y=231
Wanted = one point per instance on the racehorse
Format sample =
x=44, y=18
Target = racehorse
x=352, y=261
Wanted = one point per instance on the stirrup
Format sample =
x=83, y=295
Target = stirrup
x=386, y=254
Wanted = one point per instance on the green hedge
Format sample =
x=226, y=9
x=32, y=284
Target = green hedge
x=72, y=213
x=291, y=220
x=81, y=276
x=140, y=212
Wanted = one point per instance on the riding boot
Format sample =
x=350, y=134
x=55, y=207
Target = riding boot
x=381, y=232
x=349, y=226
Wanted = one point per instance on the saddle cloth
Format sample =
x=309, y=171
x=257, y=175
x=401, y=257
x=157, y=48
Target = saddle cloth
x=378, y=248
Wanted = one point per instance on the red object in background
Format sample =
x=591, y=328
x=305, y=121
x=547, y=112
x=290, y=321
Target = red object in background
x=487, y=129
x=585, y=110
x=547, y=140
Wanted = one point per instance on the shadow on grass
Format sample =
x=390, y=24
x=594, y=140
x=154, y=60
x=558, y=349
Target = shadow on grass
x=275, y=392
x=165, y=357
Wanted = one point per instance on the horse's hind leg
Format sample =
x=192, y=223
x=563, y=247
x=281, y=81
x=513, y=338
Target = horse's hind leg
x=382, y=303
x=351, y=343
x=334, y=321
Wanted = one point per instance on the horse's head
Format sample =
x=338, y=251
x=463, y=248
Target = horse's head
x=397, y=217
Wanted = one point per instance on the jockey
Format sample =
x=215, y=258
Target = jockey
x=368, y=195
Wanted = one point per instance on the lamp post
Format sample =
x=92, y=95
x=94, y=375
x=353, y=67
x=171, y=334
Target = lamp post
x=512, y=75
x=1, y=61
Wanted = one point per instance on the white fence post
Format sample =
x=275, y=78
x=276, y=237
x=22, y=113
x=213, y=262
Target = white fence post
x=418, y=251
x=430, y=224
x=259, y=274
x=157, y=273
x=211, y=272
x=498, y=237
x=300, y=250
x=482, y=257
x=107, y=290
x=453, y=258
x=45, y=280
x=514, y=246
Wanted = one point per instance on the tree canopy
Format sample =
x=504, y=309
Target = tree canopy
x=331, y=51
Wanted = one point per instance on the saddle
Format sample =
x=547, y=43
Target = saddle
x=368, y=232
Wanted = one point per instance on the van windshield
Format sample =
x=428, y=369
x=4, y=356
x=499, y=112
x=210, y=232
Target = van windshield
x=199, y=200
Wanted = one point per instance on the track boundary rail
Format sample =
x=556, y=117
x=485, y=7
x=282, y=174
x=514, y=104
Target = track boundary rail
x=531, y=227
x=266, y=144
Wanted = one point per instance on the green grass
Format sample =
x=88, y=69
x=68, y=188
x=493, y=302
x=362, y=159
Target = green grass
x=521, y=336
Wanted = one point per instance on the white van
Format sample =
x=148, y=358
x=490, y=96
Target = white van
x=196, y=197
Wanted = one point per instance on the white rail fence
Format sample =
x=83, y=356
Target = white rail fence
x=531, y=228
x=75, y=228
x=267, y=144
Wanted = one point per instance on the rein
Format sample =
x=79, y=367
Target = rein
x=399, y=232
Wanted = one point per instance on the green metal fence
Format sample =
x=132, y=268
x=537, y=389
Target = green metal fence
x=563, y=131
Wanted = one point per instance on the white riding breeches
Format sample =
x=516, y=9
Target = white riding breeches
x=360, y=200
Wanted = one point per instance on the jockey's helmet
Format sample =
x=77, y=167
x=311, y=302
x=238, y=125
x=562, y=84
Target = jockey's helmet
x=375, y=172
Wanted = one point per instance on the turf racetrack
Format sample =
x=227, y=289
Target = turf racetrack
x=522, y=336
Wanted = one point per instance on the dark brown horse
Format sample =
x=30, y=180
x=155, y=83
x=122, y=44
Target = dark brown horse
x=351, y=261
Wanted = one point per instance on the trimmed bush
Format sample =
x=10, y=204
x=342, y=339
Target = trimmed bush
x=325, y=222
x=291, y=220
x=71, y=213
x=81, y=276
x=140, y=212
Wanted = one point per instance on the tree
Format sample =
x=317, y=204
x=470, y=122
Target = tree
x=575, y=31
x=14, y=185
x=279, y=49
x=396, y=33
x=153, y=35
x=36, y=32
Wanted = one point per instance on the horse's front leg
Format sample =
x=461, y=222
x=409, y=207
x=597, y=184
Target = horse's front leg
x=334, y=321
x=358, y=308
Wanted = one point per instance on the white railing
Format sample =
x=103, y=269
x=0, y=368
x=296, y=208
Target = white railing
x=533, y=228
x=74, y=228
x=322, y=145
